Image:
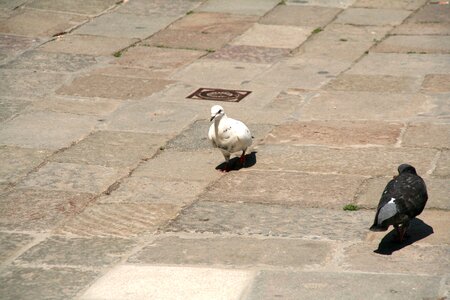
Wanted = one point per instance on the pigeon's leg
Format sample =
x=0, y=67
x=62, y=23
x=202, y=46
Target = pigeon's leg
x=398, y=231
x=242, y=158
x=401, y=231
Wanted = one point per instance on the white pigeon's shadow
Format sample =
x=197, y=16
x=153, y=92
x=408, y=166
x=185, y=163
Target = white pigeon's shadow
x=235, y=165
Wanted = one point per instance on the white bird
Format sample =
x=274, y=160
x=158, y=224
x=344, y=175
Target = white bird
x=229, y=135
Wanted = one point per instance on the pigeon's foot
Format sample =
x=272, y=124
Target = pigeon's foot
x=242, y=158
x=401, y=233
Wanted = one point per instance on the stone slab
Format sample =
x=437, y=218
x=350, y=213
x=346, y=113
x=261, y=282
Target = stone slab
x=125, y=25
x=438, y=190
x=411, y=259
x=39, y=283
x=250, y=54
x=443, y=165
x=322, y=3
x=157, y=282
x=71, y=177
x=422, y=28
x=375, y=83
x=17, y=162
x=97, y=85
x=12, y=4
x=272, y=220
x=87, y=44
x=432, y=14
x=427, y=135
x=51, y=62
x=436, y=83
x=394, y=4
x=365, y=106
x=308, y=16
x=46, y=130
x=171, y=7
x=217, y=72
x=38, y=210
x=119, y=219
x=11, y=243
x=94, y=252
x=154, y=190
x=112, y=149
x=192, y=166
x=24, y=84
x=400, y=64
x=414, y=44
x=317, y=190
x=247, y=7
x=40, y=23
x=84, y=8
x=11, y=45
x=335, y=133
x=273, y=36
x=234, y=251
x=375, y=16
x=317, y=285
x=76, y=106
x=131, y=72
x=11, y=107
x=371, y=161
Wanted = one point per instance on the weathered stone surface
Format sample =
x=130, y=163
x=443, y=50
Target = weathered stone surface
x=432, y=14
x=217, y=72
x=273, y=36
x=443, y=164
x=45, y=130
x=122, y=220
x=318, y=285
x=10, y=107
x=411, y=259
x=427, y=135
x=247, y=7
x=374, y=161
x=375, y=83
x=71, y=177
x=171, y=7
x=394, y=4
x=414, y=44
x=325, y=190
x=87, y=44
x=364, y=105
x=86, y=8
x=235, y=251
x=17, y=162
x=250, y=54
x=112, y=149
x=120, y=71
x=40, y=23
x=272, y=220
x=77, y=106
x=125, y=25
x=308, y=16
x=436, y=83
x=437, y=192
x=157, y=282
x=53, y=62
x=422, y=28
x=155, y=190
x=377, y=16
x=39, y=210
x=171, y=165
x=11, y=4
x=97, y=85
x=10, y=243
x=400, y=64
x=324, y=3
x=57, y=250
x=152, y=117
x=39, y=283
x=26, y=84
x=11, y=45
x=335, y=133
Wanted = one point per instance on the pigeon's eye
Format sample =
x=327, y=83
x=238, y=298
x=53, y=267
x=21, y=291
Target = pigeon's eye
x=220, y=111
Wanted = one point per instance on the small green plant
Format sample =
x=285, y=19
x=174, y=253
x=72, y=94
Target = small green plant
x=117, y=54
x=351, y=207
x=317, y=30
x=411, y=52
x=190, y=12
x=282, y=2
x=210, y=50
x=343, y=40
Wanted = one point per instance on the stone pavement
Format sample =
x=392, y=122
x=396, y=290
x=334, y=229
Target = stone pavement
x=109, y=187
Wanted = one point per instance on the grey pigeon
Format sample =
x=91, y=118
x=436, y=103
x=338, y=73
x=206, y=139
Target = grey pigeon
x=403, y=198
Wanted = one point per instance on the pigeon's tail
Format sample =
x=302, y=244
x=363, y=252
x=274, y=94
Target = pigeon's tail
x=376, y=227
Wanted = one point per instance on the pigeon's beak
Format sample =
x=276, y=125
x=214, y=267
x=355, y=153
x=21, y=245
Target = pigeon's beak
x=212, y=118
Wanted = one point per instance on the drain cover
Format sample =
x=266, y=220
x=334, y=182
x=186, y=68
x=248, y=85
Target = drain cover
x=219, y=95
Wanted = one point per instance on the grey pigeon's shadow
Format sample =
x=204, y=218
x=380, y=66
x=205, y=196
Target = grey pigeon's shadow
x=417, y=230
x=235, y=165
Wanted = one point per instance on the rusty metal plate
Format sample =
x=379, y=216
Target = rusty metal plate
x=219, y=95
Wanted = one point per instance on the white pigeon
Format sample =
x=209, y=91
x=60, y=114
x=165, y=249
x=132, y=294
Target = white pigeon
x=229, y=135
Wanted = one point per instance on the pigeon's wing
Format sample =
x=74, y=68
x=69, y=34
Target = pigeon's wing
x=212, y=135
x=386, y=207
x=242, y=133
